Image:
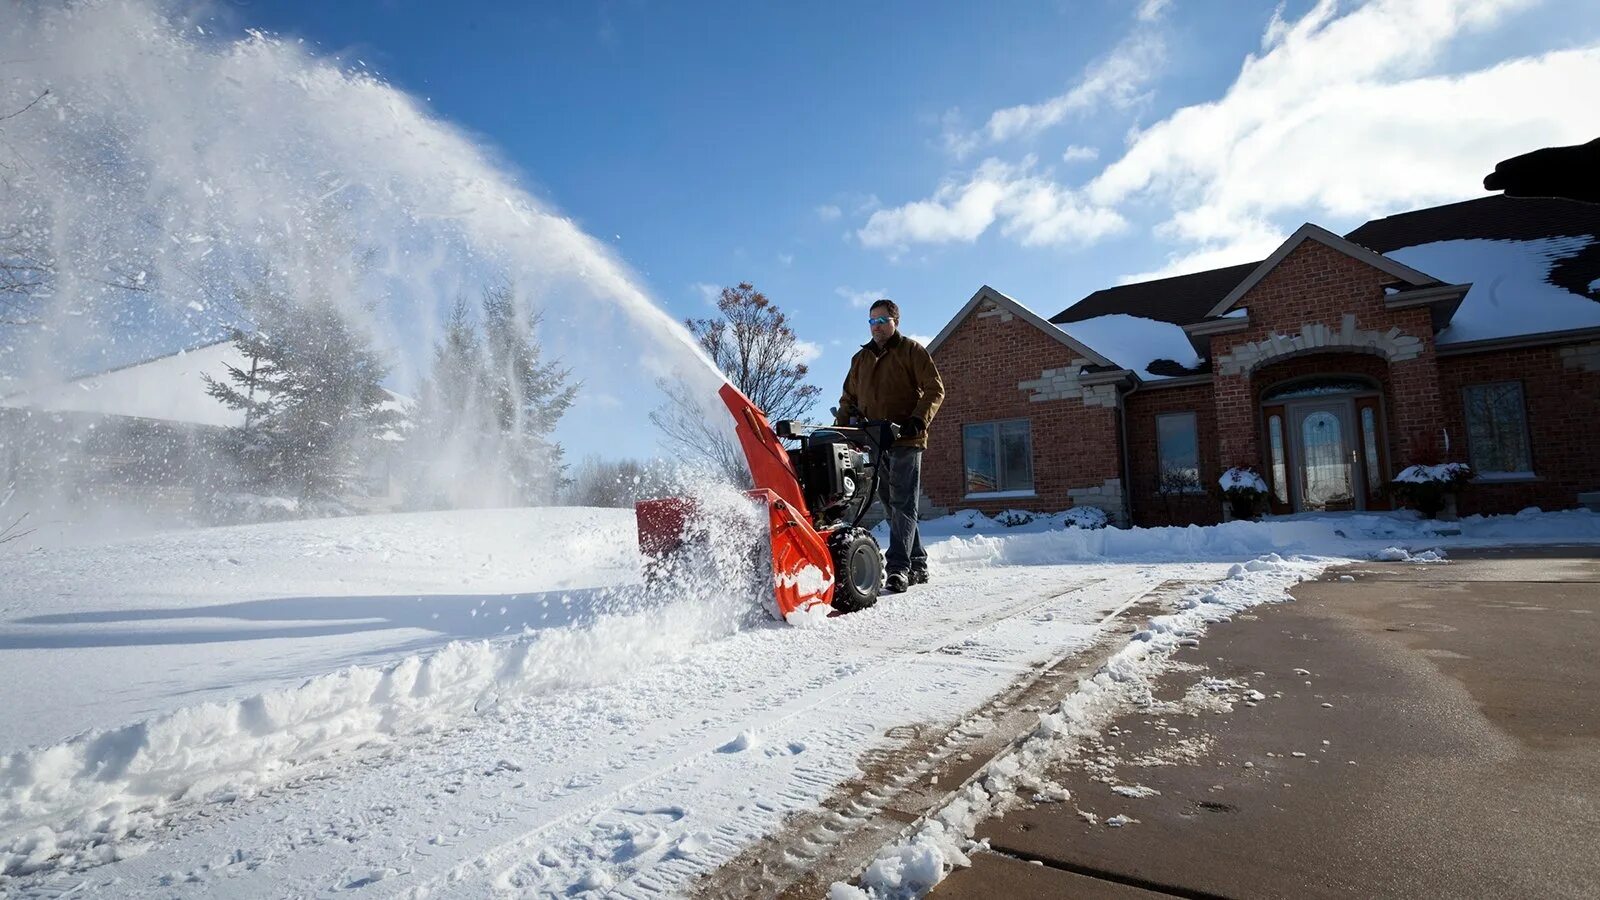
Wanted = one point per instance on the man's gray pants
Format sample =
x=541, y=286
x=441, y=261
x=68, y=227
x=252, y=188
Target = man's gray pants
x=899, y=483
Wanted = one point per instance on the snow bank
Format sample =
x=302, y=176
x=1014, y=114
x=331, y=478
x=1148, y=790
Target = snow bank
x=928, y=851
x=968, y=538
x=111, y=785
x=88, y=800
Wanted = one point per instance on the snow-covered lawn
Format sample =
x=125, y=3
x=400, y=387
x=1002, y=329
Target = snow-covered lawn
x=466, y=703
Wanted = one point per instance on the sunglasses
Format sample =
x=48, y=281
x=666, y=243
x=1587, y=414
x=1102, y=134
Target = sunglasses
x=880, y=320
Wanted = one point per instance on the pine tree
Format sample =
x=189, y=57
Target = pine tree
x=311, y=394
x=526, y=398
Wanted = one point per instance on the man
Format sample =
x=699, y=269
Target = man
x=893, y=378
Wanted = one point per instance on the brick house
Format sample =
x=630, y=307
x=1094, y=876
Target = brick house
x=1467, y=332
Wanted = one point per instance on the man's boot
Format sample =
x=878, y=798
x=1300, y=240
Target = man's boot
x=919, y=576
x=895, y=584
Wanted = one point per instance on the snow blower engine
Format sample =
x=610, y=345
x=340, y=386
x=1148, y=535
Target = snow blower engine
x=823, y=561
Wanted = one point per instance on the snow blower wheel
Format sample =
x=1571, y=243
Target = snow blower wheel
x=857, y=569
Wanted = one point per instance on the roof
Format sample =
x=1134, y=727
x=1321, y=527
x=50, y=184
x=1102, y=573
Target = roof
x=1534, y=267
x=987, y=293
x=1499, y=219
x=168, y=388
x=1180, y=300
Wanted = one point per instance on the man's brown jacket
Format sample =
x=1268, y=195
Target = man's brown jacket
x=897, y=381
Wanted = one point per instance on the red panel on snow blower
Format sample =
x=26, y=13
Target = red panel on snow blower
x=802, y=566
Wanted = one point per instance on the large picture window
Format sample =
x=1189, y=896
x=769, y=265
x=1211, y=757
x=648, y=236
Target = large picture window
x=1497, y=429
x=1178, y=452
x=998, y=457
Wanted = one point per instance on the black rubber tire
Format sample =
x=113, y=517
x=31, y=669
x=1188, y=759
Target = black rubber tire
x=857, y=569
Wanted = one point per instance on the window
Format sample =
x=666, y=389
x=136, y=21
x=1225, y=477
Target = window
x=999, y=457
x=1178, y=452
x=1280, y=462
x=1497, y=429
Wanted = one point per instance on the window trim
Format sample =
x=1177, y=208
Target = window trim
x=1527, y=434
x=1199, y=486
x=1000, y=476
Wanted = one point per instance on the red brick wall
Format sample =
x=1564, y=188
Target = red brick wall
x=1317, y=283
x=1563, y=410
x=982, y=362
x=1149, y=507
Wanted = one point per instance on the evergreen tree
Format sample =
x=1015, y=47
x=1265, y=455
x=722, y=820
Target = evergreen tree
x=488, y=410
x=311, y=394
x=526, y=398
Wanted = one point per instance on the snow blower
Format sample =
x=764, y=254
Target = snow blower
x=823, y=561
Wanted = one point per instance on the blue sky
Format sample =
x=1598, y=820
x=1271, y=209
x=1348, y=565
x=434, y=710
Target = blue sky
x=829, y=151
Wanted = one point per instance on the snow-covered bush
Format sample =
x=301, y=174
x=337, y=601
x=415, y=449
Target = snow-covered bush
x=1086, y=517
x=1427, y=488
x=1011, y=518
x=1244, y=488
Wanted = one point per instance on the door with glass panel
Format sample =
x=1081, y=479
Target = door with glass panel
x=1327, y=462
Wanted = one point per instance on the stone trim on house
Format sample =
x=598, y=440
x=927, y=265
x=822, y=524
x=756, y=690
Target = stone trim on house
x=1067, y=383
x=1393, y=345
x=1585, y=357
x=1107, y=496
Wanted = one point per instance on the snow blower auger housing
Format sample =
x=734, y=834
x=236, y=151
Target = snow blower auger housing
x=823, y=562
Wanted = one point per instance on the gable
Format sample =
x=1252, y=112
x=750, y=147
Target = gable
x=988, y=301
x=1315, y=233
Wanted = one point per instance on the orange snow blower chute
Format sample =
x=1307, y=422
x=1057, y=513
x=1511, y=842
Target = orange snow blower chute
x=823, y=562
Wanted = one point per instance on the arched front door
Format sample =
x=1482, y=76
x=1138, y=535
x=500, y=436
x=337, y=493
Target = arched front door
x=1325, y=445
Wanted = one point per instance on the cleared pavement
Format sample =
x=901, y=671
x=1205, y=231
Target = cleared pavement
x=1420, y=731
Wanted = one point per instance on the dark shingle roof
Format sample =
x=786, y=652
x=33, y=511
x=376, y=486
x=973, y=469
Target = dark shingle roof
x=1497, y=218
x=1185, y=299
x=1180, y=300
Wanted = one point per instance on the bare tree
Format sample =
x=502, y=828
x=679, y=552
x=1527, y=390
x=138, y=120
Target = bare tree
x=687, y=423
x=754, y=347
x=10, y=532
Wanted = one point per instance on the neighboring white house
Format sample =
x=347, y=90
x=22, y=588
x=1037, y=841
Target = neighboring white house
x=148, y=430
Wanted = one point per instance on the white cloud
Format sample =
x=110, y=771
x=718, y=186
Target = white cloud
x=1076, y=153
x=786, y=259
x=1151, y=10
x=860, y=299
x=1117, y=78
x=1341, y=118
x=806, y=351
x=829, y=212
x=1346, y=113
x=708, y=292
x=1029, y=206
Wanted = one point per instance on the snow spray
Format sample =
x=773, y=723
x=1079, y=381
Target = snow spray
x=152, y=168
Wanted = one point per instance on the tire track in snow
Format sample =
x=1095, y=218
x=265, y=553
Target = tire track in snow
x=668, y=871
x=324, y=830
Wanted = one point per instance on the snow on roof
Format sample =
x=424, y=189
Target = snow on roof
x=1134, y=343
x=1511, y=290
x=168, y=388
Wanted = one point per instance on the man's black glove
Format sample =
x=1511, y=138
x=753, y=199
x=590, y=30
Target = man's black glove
x=910, y=428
